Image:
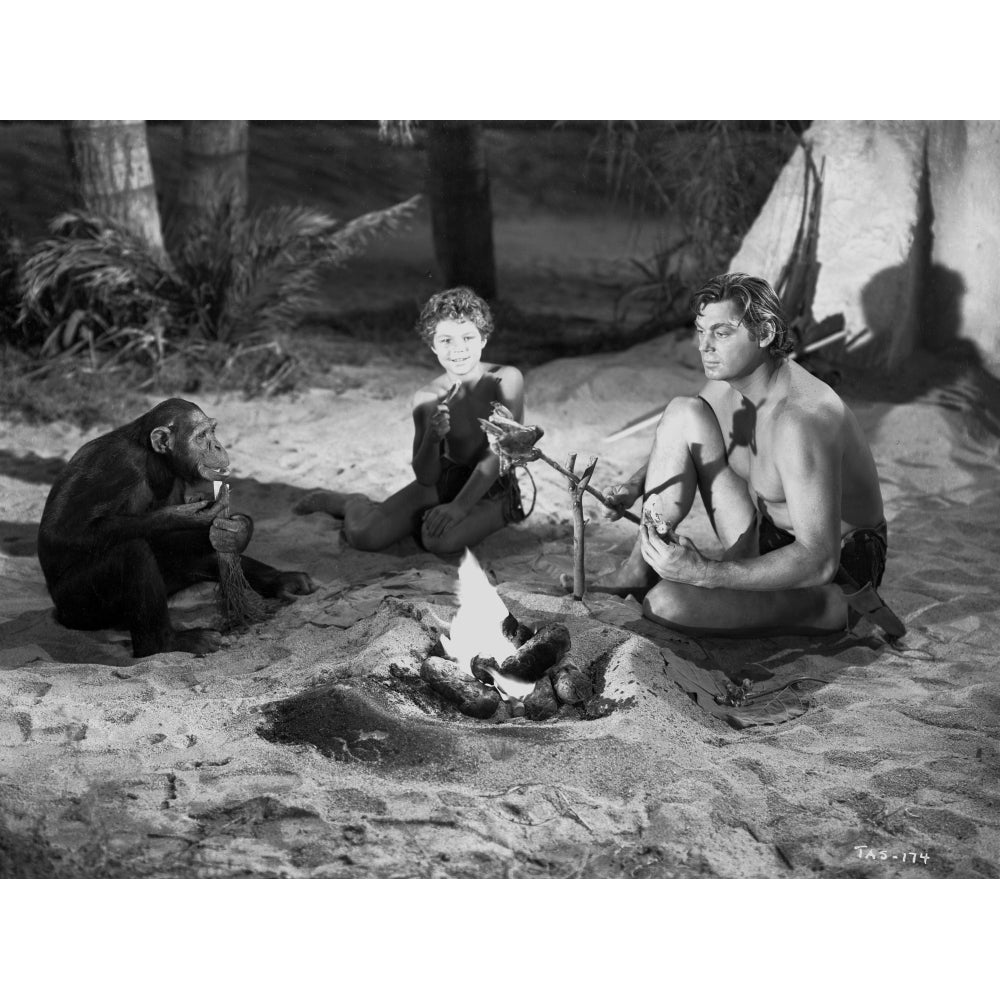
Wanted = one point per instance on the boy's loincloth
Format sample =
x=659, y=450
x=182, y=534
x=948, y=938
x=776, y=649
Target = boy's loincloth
x=454, y=476
x=862, y=552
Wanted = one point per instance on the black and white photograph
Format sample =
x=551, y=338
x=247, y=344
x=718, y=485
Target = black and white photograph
x=459, y=499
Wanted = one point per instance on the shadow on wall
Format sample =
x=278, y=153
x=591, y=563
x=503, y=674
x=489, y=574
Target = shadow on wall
x=937, y=321
x=942, y=366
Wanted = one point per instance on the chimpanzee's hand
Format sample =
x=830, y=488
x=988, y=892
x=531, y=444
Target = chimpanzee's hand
x=231, y=534
x=195, y=515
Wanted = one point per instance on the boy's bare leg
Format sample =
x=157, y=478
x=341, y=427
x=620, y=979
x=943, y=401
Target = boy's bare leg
x=688, y=454
x=809, y=611
x=483, y=520
x=372, y=526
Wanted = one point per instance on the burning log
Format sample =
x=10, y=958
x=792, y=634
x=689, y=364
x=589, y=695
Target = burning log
x=570, y=682
x=469, y=695
x=542, y=702
x=543, y=650
x=483, y=668
x=514, y=632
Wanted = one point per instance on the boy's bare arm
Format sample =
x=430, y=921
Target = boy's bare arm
x=510, y=392
x=427, y=436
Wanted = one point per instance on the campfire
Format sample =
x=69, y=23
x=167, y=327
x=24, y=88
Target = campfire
x=495, y=666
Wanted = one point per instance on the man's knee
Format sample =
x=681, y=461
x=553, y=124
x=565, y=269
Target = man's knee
x=687, y=410
x=668, y=603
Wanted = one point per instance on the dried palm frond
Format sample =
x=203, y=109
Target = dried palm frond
x=258, y=275
x=89, y=277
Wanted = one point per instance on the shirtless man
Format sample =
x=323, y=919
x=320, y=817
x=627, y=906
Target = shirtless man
x=785, y=474
x=458, y=496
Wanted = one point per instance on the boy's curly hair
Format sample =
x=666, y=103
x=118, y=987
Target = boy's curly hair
x=455, y=303
x=758, y=302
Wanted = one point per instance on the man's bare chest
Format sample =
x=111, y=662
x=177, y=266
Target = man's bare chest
x=750, y=451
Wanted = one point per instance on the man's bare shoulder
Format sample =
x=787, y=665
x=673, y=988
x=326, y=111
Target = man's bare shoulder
x=809, y=411
x=811, y=398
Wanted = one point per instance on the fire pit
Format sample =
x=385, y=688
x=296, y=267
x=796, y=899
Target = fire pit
x=495, y=667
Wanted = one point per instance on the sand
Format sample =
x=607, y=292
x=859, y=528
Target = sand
x=307, y=747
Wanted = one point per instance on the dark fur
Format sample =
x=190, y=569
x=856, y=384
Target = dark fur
x=115, y=541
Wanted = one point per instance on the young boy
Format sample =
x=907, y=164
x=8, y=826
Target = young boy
x=458, y=496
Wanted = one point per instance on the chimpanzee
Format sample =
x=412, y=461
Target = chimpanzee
x=119, y=535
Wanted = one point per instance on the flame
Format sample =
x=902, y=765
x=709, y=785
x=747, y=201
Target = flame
x=476, y=628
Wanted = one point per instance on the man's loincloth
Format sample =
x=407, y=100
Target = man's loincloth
x=862, y=563
x=862, y=552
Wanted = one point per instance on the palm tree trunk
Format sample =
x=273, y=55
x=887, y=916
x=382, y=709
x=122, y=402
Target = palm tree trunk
x=214, y=169
x=461, y=212
x=113, y=176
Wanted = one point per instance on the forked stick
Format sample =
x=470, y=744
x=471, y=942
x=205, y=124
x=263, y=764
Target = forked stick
x=576, y=490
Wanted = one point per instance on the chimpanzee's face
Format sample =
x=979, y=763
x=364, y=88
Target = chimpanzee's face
x=192, y=447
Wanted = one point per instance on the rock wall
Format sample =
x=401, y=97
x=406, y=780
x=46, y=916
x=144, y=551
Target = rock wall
x=963, y=161
x=909, y=233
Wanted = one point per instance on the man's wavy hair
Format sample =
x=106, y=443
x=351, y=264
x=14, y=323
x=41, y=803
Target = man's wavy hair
x=759, y=305
x=458, y=304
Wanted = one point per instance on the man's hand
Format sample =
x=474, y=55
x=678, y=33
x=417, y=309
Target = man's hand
x=440, y=519
x=672, y=556
x=620, y=498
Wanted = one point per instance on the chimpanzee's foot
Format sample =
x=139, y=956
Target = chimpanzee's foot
x=294, y=584
x=327, y=501
x=189, y=640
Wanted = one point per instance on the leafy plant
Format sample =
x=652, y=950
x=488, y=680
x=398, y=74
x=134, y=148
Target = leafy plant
x=93, y=295
x=707, y=180
x=11, y=258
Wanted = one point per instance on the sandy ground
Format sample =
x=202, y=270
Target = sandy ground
x=307, y=747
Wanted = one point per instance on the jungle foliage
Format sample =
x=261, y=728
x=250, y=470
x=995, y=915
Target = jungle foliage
x=93, y=298
x=707, y=180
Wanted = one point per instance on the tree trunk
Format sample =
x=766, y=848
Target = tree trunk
x=213, y=170
x=461, y=213
x=113, y=176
